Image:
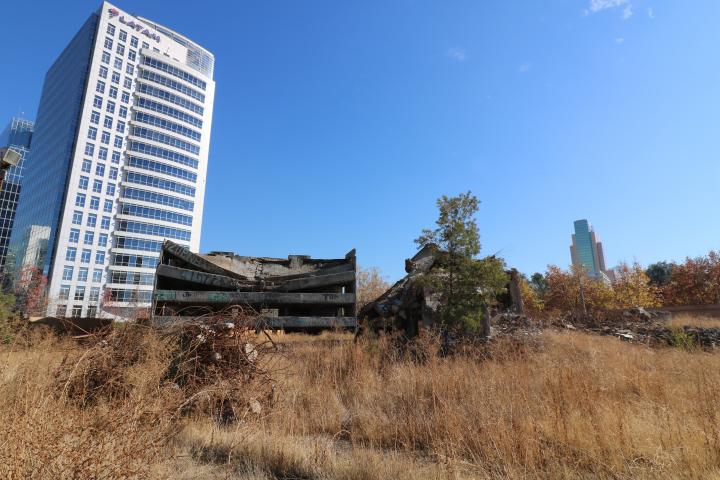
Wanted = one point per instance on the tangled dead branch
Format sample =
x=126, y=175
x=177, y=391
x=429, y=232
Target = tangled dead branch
x=218, y=365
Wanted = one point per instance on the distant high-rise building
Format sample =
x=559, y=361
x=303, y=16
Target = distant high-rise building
x=118, y=163
x=586, y=250
x=16, y=136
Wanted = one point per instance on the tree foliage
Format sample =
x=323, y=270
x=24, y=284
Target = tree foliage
x=659, y=273
x=694, y=282
x=370, y=285
x=466, y=283
x=31, y=292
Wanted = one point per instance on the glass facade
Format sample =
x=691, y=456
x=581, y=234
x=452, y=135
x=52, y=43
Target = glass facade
x=33, y=240
x=17, y=135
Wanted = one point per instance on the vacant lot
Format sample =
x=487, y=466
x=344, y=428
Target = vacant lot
x=569, y=405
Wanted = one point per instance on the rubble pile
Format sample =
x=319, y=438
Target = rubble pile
x=638, y=325
x=408, y=304
x=513, y=324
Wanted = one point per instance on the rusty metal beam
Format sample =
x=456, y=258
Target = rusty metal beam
x=253, y=298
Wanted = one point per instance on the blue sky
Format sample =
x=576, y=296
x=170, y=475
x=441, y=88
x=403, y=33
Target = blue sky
x=338, y=124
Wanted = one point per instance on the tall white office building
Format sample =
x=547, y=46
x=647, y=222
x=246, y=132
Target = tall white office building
x=118, y=163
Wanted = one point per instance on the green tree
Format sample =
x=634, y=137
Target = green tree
x=539, y=283
x=659, y=273
x=466, y=283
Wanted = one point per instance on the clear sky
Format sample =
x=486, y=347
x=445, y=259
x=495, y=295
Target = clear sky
x=338, y=123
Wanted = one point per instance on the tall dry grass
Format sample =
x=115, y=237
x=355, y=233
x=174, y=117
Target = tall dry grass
x=572, y=406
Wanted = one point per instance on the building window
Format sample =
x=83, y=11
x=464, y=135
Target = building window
x=105, y=58
x=102, y=239
x=85, y=256
x=64, y=292
x=97, y=186
x=77, y=218
x=86, y=165
x=102, y=153
x=100, y=169
x=80, y=200
x=100, y=87
x=105, y=138
x=67, y=272
x=100, y=257
x=110, y=190
x=113, y=173
x=134, y=41
x=92, y=133
x=97, y=102
x=74, y=235
x=110, y=108
x=97, y=275
x=129, y=69
x=94, y=294
x=123, y=112
x=120, y=50
x=70, y=254
x=113, y=92
x=103, y=71
x=83, y=183
x=95, y=203
x=123, y=36
x=105, y=223
x=125, y=97
x=132, y=55
x=111, y=29
x=118, y=63
x=117, y=143
x=127, y=83
x=145, y=45
x=95, y=118
x=89, y=149
x=120, y=126
x=82, y=274
x=91, y=220
x=79, y=293
x=108, y=43
x=115, y=157
x=89, y=237
x=108, y=121
x=92, y=311
x=76, y=311
x=107, y=207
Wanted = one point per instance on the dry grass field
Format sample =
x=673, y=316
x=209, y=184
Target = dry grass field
x=570, y=405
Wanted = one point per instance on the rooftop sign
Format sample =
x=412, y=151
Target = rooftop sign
x=134, y=25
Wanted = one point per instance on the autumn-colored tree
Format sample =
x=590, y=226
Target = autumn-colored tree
x=632, y=288
x=31, y=292
x=532, y=300
x=370, y=285
x=694, y=282
x=575, y=291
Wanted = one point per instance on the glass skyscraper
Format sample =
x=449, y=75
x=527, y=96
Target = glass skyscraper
x=16, y=135
x=118, y=163
x=586, y=250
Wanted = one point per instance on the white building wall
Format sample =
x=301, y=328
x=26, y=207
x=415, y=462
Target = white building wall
x=162, y=47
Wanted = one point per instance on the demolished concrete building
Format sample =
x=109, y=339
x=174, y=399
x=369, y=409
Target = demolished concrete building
x=411, y=305
x=294, y=293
